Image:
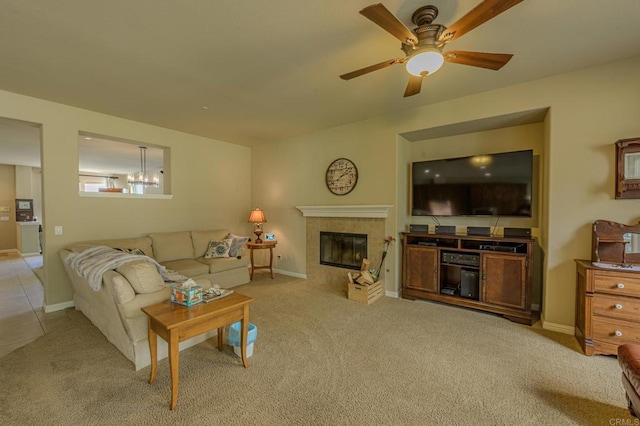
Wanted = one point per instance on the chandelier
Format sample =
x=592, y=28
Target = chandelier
x=141, y=177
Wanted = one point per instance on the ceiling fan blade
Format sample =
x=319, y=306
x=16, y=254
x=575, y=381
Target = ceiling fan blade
x=492, y=61
x=480, y=14
x=385, y=19
x=414, y=86
x=370, y=68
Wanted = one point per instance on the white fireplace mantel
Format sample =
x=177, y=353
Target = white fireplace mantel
x=377, y=211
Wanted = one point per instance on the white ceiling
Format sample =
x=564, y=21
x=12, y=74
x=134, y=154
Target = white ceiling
x=269, y=70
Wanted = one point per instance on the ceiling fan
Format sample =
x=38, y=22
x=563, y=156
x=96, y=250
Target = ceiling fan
x=423, y=46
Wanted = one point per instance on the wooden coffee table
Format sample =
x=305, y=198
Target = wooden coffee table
x=175, y=323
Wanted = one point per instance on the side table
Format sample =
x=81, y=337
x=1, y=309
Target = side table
x=261, y=246
x=175, y=323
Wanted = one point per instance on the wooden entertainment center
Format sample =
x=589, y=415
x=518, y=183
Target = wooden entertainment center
x=492, y=274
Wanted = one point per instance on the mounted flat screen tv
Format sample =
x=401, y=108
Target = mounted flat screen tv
x=482, y=185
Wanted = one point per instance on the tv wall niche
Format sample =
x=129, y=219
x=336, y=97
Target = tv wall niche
x=497, y=184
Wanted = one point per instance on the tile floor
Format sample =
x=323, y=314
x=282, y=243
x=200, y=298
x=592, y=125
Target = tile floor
x=22, y=318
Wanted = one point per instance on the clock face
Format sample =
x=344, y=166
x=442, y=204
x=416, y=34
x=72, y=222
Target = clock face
x=342, y=176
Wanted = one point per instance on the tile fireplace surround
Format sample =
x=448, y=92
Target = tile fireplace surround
x=369, y=220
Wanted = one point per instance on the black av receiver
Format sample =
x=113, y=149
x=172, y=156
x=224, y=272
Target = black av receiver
x=468, y=259
x=495, y=247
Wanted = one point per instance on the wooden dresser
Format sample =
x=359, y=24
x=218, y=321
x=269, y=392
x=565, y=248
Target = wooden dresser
x=607, y=308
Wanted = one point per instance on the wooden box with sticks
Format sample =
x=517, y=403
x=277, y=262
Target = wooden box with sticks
x=362, y=286
x=365, y=293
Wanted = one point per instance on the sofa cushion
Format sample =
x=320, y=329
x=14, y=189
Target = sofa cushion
x=218, y=264
x=143, y=276
x=143, y=243
x=188, y=267
x=218, y=249
x=172, y=246
x=236, y=244
x=201, y=240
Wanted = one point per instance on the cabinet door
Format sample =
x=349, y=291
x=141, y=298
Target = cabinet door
x=504, y=280
x=422, y=268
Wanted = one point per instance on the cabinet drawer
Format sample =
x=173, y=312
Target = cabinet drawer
x=623, y=284
x=615, y=331
x=618, y=307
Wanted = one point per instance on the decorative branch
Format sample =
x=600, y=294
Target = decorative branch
x=387, y=241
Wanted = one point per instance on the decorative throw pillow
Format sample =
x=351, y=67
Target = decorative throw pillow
x=237, y=242
x=131, y=251
x=218, y=249
x=143, y=276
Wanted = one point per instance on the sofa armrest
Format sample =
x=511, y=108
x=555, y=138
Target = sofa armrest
x=132, y=308
x=119, y=287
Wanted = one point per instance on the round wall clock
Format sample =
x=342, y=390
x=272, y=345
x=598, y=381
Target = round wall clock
x=342, y=176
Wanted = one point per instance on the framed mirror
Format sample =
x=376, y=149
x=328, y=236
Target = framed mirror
x=628, y=168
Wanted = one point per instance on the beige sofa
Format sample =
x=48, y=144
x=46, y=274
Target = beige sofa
x=115, y=308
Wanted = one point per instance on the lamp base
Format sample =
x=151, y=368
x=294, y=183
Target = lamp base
x=258, y=232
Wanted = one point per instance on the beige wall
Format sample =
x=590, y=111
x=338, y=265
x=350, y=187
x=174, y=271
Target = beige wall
x=292, y=173
x=589, y=111
x=210, y=186
x=7, y=199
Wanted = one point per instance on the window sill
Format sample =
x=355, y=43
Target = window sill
x=122, y=195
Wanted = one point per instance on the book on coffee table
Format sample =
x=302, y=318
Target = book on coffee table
x=209, y=296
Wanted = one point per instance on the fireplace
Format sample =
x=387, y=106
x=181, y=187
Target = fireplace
x=342, y=249
x=369, y=220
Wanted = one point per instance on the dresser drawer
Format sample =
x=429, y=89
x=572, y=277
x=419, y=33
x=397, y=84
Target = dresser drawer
x=618, y=307
x=615, y=331
x=617, y=283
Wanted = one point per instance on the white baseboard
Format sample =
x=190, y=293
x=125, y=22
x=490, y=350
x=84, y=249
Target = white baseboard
x=58, y=306
x=9, y=251
x=560, y=328
x=291, y=274
x=393, y=294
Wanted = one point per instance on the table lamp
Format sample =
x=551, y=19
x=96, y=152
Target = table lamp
x=257, y=218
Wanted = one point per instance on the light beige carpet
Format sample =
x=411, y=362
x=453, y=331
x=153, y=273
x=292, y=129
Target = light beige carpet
x=321, y=359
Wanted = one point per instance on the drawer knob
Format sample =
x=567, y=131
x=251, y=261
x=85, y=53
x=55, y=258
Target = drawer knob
x=618, y=306
x=620, y=285
x=618, y=333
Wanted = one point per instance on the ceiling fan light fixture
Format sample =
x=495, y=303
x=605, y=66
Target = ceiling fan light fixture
x=425, y=62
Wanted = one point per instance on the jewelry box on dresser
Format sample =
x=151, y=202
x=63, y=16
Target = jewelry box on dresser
x=608, y=289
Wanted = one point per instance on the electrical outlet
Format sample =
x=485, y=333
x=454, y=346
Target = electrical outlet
x=58, y=230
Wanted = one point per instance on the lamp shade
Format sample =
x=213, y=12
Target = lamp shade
x=257, y=216
x=426, y=62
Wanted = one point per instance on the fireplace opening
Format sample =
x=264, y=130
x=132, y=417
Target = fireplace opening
x=342, y=249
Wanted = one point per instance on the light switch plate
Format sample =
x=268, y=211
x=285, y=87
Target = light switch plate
x=4, y=218
x=58, y=230
x=5, y=209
